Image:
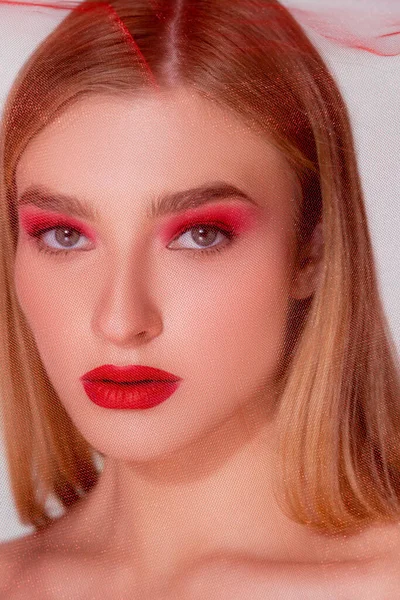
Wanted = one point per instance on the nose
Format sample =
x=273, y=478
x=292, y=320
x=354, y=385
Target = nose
x=125, y=313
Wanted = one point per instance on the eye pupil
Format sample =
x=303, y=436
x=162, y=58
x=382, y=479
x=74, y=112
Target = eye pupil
x=206, y=235
x=65, y=235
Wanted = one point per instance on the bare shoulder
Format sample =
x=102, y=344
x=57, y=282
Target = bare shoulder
x=36, y=567
x=229, y=579
x=31, y=569
x=43, y=567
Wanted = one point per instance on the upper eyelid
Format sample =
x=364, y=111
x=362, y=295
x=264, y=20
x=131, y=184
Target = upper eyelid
x=223, y=227
x=39, y=223
x=224, y=230
x=185, y=228
x=72, y=223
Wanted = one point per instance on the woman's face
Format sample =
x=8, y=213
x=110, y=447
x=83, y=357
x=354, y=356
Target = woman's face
x=127, y=287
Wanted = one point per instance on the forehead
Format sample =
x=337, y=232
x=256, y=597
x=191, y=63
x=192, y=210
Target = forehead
x=106, y=146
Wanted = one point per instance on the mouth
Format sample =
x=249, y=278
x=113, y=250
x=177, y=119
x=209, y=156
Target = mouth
x=134, y=386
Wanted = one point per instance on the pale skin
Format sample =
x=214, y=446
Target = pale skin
x=185, y=501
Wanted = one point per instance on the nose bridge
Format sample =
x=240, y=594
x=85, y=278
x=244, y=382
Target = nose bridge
x=126, y=309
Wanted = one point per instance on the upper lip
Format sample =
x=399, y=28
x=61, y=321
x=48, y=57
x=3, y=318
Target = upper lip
x=130, y=373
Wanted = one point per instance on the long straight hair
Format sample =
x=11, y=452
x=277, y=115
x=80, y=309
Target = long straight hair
x=338, y=411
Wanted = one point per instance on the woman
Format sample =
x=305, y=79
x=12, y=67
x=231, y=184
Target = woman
x=189, y=294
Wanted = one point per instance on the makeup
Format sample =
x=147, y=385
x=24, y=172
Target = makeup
x=234, y=219
x=230, y=219
x=35, y=221
x=130, y=387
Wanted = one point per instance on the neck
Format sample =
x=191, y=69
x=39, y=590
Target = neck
x=212, y=499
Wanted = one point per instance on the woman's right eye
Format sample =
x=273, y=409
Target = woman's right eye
x=56, y=240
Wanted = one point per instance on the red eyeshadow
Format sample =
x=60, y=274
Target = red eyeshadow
x=34, y=219
x=237, y=219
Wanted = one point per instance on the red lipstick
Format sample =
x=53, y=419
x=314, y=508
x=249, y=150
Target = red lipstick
x=134, y=386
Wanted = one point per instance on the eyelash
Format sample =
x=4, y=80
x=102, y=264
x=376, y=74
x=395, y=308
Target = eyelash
x=231, y=236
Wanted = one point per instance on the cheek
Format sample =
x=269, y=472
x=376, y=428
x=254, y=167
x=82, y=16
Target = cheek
x=234, y=320
x=28, y=288
x=46, y=304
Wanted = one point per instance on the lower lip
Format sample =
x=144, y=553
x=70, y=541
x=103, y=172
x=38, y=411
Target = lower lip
x=129, y=395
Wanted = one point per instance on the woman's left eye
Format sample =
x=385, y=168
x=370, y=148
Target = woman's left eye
x=202, y=237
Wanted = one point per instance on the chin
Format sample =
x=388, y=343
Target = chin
x=141, y=440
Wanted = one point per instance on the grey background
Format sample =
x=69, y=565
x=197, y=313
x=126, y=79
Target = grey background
x=370, y=85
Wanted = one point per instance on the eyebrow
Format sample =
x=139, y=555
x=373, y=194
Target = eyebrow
x=166, y=204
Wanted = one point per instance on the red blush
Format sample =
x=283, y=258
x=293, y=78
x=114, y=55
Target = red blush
x=236, y=219
x=34, y=220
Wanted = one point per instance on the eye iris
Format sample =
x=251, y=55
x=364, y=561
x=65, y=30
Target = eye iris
x=66, y=236
x=206, y=235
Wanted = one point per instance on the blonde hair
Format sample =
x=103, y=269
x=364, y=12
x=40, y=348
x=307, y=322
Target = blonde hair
x=338, y=412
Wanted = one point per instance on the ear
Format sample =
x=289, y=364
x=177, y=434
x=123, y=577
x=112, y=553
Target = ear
x=308, y=267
